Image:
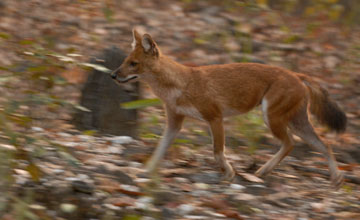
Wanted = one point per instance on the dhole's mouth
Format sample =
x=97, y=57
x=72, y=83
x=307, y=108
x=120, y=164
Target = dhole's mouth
x=127, y=79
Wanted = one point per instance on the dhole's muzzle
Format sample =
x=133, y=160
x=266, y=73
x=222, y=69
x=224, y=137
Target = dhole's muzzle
x=126, y=79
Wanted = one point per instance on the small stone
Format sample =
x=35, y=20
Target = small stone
x=144, y=203
x=217, y=215
x=237, y=186
x=130, y=188
x=331, y=62
x=112, y=207
x=185, y=209
x=181, y=180
x=37, y=207
x=317, y=206
x=7, y=147
x=142, y=180
x=135, y=164
x=115, y=150
x=37, y=129
x=58, y=171
x=71, y=179
x=83, y=177
x=63, y=134
x=199, y=193
x=244, y=197
x=68, y=208
x=122, y=140
x=202, y=186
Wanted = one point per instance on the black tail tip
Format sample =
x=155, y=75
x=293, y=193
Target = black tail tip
x=336, y=119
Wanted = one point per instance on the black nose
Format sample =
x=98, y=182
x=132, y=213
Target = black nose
x=113, y=74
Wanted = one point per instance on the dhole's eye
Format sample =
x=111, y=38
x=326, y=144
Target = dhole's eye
x=133, y=63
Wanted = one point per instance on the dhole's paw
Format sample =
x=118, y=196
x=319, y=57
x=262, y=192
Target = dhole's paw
x=261, y=172
x=150, y=167
x=337, y=180
x=229, y=174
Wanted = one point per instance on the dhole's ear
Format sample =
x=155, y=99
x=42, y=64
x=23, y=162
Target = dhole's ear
x=136, y=39
x=149, y=45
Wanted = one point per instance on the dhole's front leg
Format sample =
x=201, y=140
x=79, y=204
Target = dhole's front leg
x=218, y=136
x=173, y=126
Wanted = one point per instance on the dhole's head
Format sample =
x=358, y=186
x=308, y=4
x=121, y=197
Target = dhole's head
x=140, y=61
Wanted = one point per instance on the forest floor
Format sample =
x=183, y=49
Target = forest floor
x=102, y=177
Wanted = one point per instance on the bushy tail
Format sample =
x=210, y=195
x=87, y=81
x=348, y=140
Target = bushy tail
x=325, y=110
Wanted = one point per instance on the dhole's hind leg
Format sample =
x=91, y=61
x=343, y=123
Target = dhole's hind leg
x=301, y=127
x=279, y=130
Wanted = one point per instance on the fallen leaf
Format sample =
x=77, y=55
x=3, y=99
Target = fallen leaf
x=251, y=177
x=123, y=201
x=231, y=214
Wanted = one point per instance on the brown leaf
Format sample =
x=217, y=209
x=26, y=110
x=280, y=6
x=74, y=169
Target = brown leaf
x=231, y=214
x=129, y=192
x=186, y=187
x=177, y=171
x=215, y=203
x=123, y=201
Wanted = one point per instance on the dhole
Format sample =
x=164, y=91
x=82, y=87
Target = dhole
x=210, y=93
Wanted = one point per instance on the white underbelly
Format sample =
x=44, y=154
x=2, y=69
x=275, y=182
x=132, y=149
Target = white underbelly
x=189, y=111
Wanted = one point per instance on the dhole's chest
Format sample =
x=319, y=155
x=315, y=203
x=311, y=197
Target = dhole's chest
x=179, y=103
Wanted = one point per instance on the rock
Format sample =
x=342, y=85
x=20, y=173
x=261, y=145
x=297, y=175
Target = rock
x=102, y=96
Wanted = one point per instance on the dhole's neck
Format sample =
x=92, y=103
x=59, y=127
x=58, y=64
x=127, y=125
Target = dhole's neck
x=169, y=73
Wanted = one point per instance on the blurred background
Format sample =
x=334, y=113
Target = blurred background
x=73, y=143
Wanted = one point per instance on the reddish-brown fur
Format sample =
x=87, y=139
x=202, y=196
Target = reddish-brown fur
x=210, y=93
